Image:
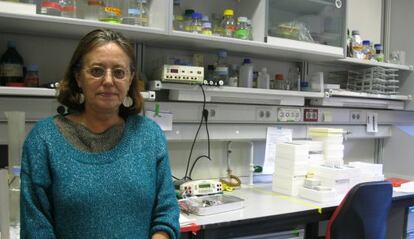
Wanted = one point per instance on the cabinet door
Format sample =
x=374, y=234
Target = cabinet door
x=317, y=21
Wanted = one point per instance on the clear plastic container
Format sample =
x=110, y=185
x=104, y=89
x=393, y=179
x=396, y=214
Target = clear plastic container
x=196, y=25
x=178, y=23
x=94, y=9
x=366, y=50
x=279, y=82
x=221, y=71
x=206, y=30
x=32, y=76
x=246, y=74
x=379, y=56
x=51, y=8
x=131, y=12
x=14, y=191
x=228, y=23
x=357, y=45
x=233, y=76
x=293, y=79
x=263, y=79
x=68, y=8
x=216, y=24
x=188, y=19
x=242, y=31
x=143, y=18
x=112, y=12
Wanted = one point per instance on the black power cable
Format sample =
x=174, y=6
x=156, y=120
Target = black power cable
x=204, y=117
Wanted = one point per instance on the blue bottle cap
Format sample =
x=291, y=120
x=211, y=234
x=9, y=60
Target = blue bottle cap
x=378, y=47
x=247, y=61
x=197, y=15
x=32, y=67
x=366, y=42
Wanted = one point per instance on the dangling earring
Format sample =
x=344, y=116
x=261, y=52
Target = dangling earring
x=81, y=98
x=127, y=102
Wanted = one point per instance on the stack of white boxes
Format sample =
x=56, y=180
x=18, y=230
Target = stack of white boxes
x=316, y=156
x=291, y=166
x=333, y=148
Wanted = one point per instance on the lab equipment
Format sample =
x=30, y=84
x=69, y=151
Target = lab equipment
x=201, y=187
x=180, y=74
x=246, y=74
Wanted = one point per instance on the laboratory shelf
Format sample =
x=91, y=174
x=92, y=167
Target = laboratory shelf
x=355, y=61
x=50, y=93
x=31, y=23
x=275, y=47
x=332, y=93
x=226, y=94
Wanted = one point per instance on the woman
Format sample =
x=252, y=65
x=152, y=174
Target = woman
x=101, y=171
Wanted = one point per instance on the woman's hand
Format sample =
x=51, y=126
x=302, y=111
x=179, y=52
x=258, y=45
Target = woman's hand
x=160, y=235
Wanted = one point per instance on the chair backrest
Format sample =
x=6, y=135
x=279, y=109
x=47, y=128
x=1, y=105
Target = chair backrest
x=363, y=212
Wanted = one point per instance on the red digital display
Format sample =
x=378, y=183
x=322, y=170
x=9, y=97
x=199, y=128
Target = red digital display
x=174, y=70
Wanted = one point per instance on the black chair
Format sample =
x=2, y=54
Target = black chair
x=363, y=212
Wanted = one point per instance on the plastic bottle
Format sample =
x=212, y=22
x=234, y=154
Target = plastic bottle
x=233, y=76
x=221, y=71
x=14, y=193
x=263, y=79
x=131, y=12
x=51, y=7
x=293, y=79
x=228, y=23
x=246, y=74
x=112, y=12
x=188, y=19
x=279, y=82
x=32, y=76
x=216, y=24
x=68, y=8
x=143, y=18
x=379, y=56
x=196, y=25
x=357, y=45
x=11, y=66
x=366, y=50
x=178, y=23
x=94, y=10
x=242, y=31
x=206, y=30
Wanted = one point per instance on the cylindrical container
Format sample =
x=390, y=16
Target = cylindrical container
x=206, y=30
x=188, y=19
x=112, y=12
x=228, y=23
x=51, y=7
x=94, y=9
x=242, y=31
x=32, y=76
x=143, y=18
x=379, y=56
x=279, y=82
x=68, y=8
x=130, y=12
x=178, y=23
x=196, y=25
x=11, y=66
x=246, y=74
x=263, y=79
x=14, y=194
x=357, y=45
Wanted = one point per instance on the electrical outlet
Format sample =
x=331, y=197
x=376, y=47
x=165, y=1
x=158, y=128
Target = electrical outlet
x=310, y=115
x=289, y=115
x=356, y=117
x=265, y=114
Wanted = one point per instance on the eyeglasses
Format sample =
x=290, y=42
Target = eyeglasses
x=99, y=72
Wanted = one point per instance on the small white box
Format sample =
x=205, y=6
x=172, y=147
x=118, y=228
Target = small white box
x=314, y=146
x=292, y=151
x=321, y=196
x=287, y=185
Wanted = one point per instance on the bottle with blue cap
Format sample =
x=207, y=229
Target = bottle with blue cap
x=196, y=24
x=246, y=74
x=11, y=66
x=32, y=76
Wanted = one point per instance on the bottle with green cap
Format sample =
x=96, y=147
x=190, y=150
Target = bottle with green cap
x=188, y=19
x=242, y=31
x=228, y=23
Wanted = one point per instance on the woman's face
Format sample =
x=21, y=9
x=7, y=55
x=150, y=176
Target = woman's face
x=105, y=78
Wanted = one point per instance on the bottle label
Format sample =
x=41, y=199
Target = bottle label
x=133, y=12
x=95, y=3
x=52, y=5
x=113, y=10
x=68, y=9
x=228, y=30
x=11, y=70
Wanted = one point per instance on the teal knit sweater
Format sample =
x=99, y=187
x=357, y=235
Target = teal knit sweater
x=125, y=192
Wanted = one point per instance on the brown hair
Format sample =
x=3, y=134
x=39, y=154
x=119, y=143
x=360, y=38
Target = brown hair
x=69, y=91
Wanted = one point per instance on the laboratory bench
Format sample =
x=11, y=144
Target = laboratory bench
x=266, y=212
